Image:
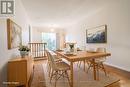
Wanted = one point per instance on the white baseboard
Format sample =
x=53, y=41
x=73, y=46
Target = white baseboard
x=117, y=67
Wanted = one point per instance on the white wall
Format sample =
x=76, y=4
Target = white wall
x=117, y=17
x=21, y=19
x=36, y=36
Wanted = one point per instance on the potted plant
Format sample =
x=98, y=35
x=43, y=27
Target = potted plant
x=24, y=50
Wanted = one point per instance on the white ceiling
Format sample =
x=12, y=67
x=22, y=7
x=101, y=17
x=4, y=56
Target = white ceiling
x=60, y=13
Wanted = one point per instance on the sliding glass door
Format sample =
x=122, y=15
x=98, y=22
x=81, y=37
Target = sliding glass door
x=50, y=39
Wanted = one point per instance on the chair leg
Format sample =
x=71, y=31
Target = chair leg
x=47, y=66
x=87, y=62
x=79, y=63
x=51, y=75
x=84, y=64
x=56, y=73
x=97, y=67
x=61, y=74
x=49, y=71
x=56, y=77
x=90, y=65
x=104, y=69
x=67, y=77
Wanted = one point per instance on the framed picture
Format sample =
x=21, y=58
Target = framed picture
x=14, y=34
x=97, y=34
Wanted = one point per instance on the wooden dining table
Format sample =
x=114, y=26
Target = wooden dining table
x=81, y=56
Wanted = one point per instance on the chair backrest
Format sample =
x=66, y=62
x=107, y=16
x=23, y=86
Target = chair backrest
x=51, y=60
x=101, y=49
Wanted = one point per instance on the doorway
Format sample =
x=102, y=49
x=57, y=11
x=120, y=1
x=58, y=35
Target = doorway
x=50, y=39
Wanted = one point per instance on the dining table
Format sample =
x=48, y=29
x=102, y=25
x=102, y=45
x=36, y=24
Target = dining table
x=81, y=56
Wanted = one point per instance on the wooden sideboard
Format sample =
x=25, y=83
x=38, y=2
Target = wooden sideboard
x=19, y=71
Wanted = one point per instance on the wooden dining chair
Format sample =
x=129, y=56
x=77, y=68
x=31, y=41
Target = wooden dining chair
x=98, y=62
x=59, y=69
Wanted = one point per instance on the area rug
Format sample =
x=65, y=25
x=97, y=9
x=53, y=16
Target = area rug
x=82, y=79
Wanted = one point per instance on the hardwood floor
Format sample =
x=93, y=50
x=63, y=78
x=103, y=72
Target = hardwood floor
x=38, y=77
x=123, y=75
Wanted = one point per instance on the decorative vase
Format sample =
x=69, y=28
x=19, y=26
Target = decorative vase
x=23, y=53
x=71, y=49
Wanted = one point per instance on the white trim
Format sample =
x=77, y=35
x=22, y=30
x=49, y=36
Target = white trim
x=128, y=70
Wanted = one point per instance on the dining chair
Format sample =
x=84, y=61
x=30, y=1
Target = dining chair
x=98, y=62
x=56, y=59
x=79, y=63
x=59, y=69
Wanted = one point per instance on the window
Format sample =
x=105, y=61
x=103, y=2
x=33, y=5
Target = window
x=50, y=39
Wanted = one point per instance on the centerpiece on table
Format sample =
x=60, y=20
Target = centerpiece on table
x=24, y=50
x=71, y=47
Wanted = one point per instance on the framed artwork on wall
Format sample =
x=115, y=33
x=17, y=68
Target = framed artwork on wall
x=14, y=34
x=97, y=34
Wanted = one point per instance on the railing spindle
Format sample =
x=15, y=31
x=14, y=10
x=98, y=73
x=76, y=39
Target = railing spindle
x=37, y=49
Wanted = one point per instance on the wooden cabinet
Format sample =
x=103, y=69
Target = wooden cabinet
x=19, y=71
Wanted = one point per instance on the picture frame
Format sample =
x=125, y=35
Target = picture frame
x=14, y=34
x=97, y=34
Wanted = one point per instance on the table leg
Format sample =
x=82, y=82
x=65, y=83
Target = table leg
x=94, y=70
x=71, y=74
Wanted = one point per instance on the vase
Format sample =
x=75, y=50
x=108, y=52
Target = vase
x=71, y=50
x=23, y=53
